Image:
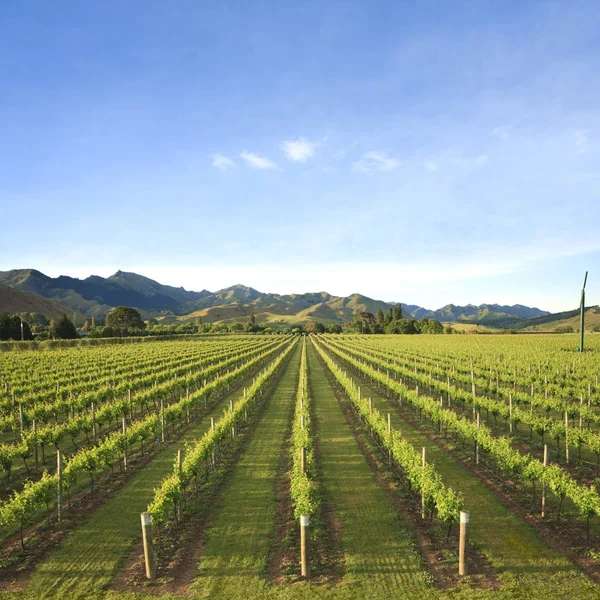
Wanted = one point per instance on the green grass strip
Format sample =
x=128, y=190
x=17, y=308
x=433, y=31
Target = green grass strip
x=380, y=556
x=238, y=540
x=526, y=566
x=83, y=566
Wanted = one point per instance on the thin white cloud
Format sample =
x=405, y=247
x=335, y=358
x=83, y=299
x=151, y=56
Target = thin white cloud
x=582, y=140
x=472, y=161
x=222, y=162
x=375, y=161
x=503, y=132
x=299, y=150
x=329, y=170
x=258, y=162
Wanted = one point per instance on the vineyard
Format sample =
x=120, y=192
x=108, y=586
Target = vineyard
x=322, y=466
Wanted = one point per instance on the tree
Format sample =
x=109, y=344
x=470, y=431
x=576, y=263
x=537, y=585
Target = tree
x=86, y=326
x=435, y=327
x=380, y=320
x=64, y=329
x=93, y=322
x=422, y=326
x=10, y=328
x=389, y=317
x=363, y=322
x=252, y=320
x=124, y=318
x=406, y=326
x=334, y=328
x=320, y=328
x=398, y=312
x=311, y=327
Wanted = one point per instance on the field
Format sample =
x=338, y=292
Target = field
x=228, y=442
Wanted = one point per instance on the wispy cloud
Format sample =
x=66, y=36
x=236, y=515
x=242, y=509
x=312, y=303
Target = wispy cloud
x=472, y=161
x=503, y=132
x=582, y=140
x=222, y=162
x=299, y=150
x=258, y=162
x=375, y=161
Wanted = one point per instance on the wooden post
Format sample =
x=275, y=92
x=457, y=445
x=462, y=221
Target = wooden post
x=567, y=436
x=389, y=430
x=477, y=443
x=370, y=406
x=510, y=411
x=94, y=422
x=212, y=452
x=179, y=472
x=162, y=420
x=303, y=459
x=125, y=443
x=59, y=502
x=149, y=557
x=463, y=567
x=424, y=462
x=304, y=561
x=35, y=447
x=543, y=484
x=302, y=422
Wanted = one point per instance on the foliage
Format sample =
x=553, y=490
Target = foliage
x=64, y=329
x=447, y=502
x=124, y=319
x=10, y=327
x=303, y=491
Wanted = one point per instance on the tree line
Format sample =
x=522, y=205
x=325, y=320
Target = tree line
x=393, y=321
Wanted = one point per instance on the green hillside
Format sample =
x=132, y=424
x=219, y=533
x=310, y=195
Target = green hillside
x=16, y=301
x=97, y=296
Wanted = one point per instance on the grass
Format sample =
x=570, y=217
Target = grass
x=238, y=541
x=512, y=546
x=84, y=564
x=378, y=548
x=380, y=559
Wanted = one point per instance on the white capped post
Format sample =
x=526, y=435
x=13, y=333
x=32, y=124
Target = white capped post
x=304, y=562
x=463, y=543
x=149, y=557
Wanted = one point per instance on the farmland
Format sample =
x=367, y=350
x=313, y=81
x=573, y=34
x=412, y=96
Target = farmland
x=229, y=443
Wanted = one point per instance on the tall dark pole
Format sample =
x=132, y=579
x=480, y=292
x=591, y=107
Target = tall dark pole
x=582, y=314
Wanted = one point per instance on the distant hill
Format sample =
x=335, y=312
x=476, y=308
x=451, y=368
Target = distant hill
x=96, y=296
x=552, y=322
x=484, y=314
x=13, y=301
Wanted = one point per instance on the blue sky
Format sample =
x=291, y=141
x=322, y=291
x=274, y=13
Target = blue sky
x=426, y=152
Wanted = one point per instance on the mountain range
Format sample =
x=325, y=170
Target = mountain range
x=96, y=296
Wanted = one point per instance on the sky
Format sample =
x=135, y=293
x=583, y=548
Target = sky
x=426, y=152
